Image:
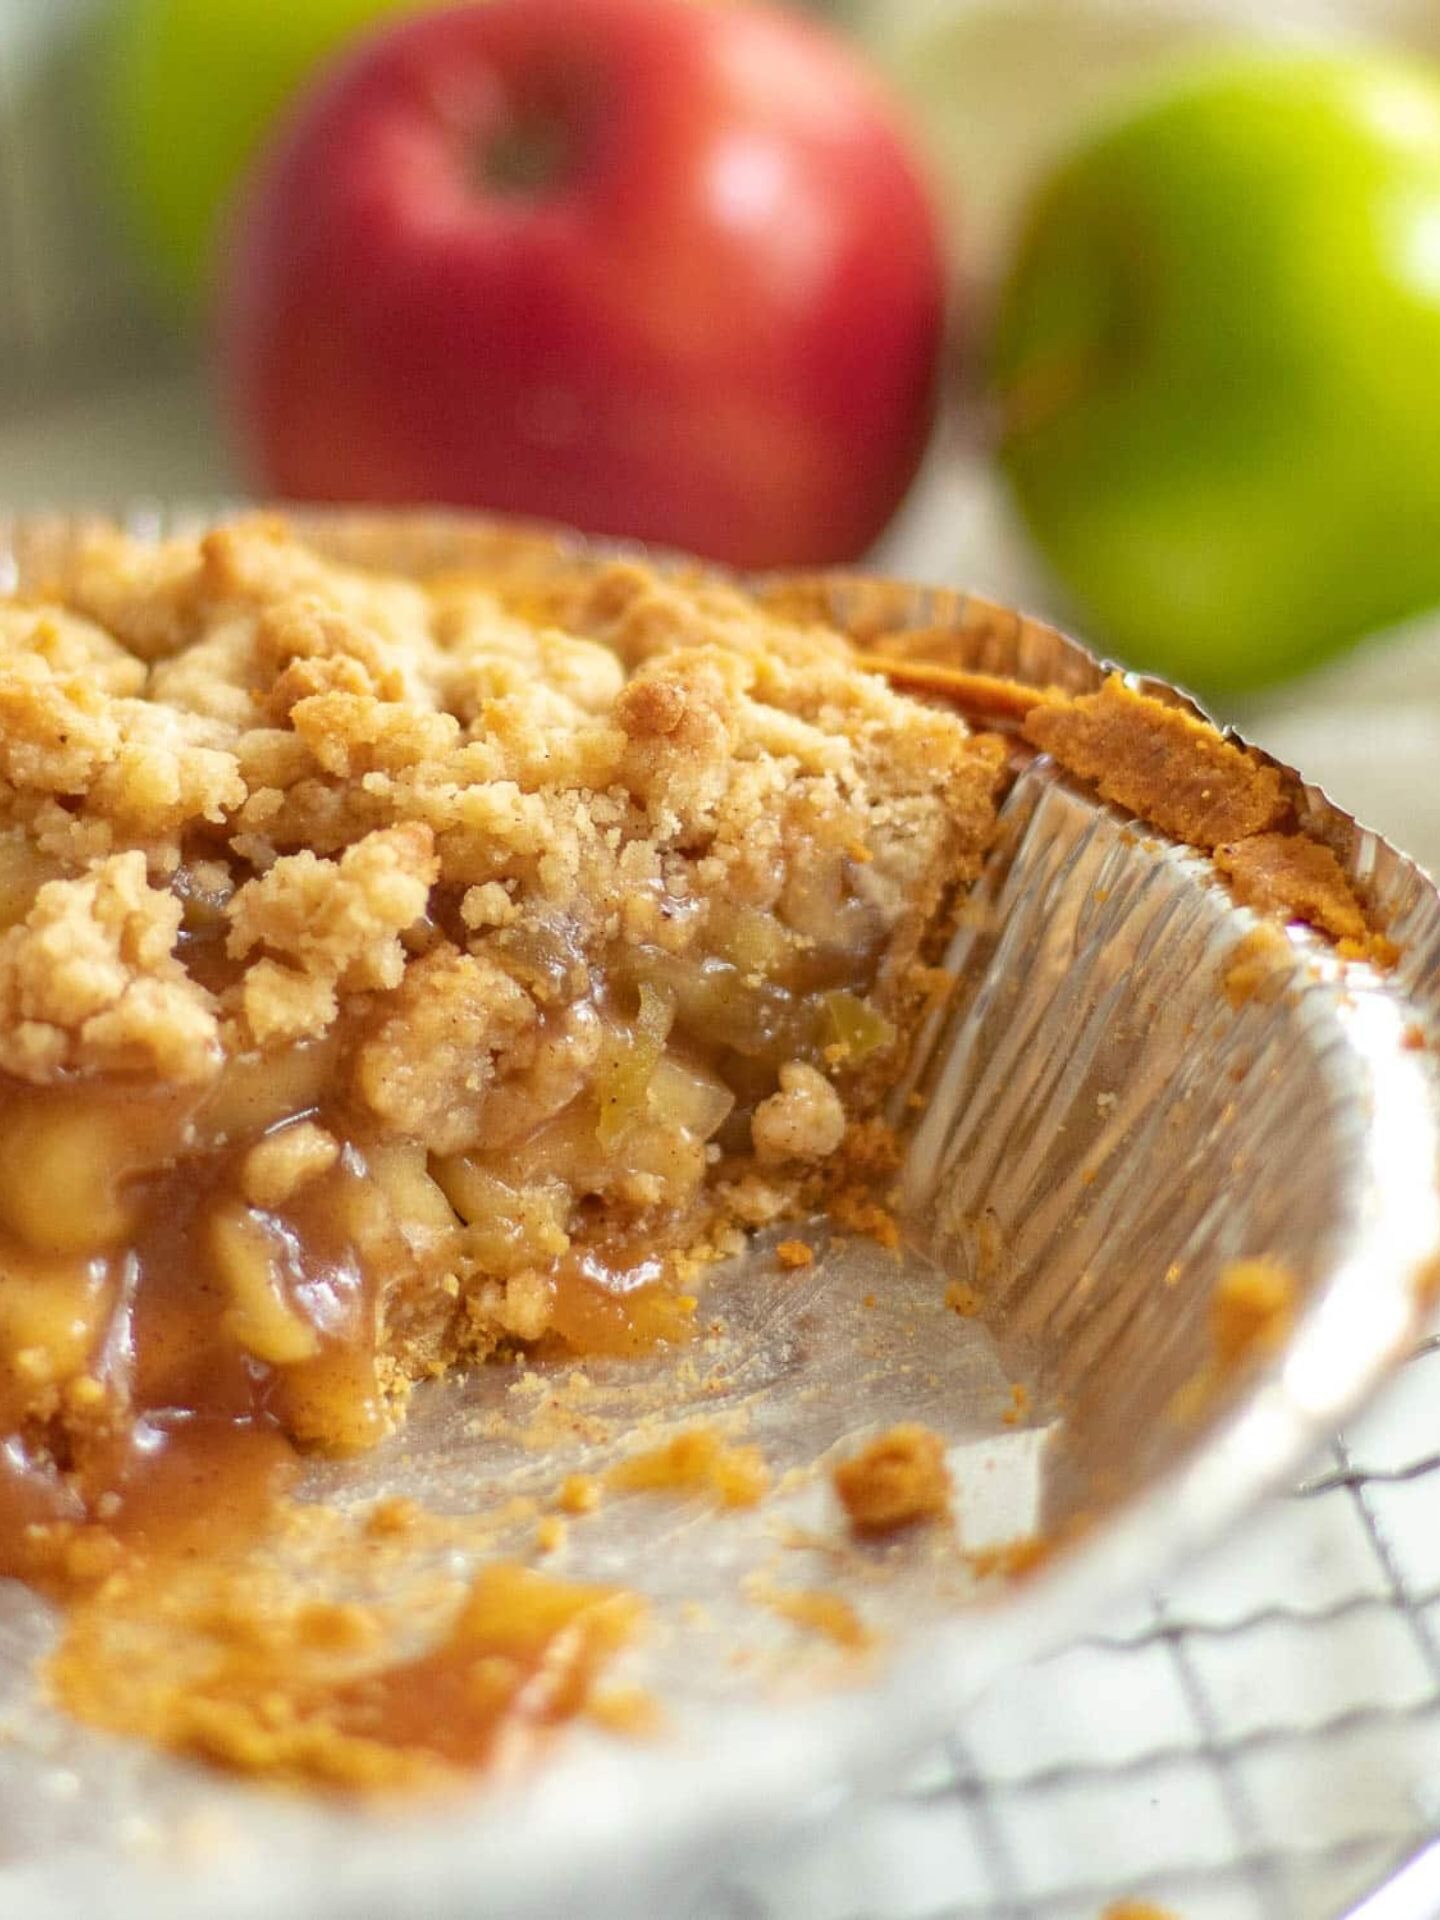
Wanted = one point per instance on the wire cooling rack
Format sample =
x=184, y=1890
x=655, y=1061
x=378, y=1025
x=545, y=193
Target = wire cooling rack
x=1260, y=1739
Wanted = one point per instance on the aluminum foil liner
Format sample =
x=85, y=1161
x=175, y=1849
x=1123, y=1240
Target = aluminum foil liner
x=1100, y=1130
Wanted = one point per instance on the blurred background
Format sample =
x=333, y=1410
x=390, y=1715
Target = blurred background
x=1233, y=523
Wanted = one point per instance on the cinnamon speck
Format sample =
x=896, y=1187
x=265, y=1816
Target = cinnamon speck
x=963, y=1299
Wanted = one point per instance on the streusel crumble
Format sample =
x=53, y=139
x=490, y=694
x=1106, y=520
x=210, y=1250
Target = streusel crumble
x=394, y=971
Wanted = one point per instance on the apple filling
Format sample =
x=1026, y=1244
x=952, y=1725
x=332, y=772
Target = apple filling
x=392, y=973
x=265, y=1247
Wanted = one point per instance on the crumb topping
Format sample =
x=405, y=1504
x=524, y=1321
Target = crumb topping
x=1293, y=875
x=392, y=971
x=1159, y=762
x=697, y=1461
x=380, y=780
x=1251, y=1309
x=897, y=1480
x=803, y=1121
x=90, y=981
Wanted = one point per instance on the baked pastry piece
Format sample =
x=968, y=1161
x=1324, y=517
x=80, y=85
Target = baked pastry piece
x=392, y=971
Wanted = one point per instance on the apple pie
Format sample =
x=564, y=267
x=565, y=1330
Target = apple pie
x=397, y=971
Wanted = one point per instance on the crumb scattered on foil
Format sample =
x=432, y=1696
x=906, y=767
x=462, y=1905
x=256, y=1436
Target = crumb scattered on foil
x=697, y=1461
x=897, y=1480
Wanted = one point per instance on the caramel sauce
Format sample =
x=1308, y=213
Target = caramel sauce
x=618, y=1304
x=148, y=1450
x=186, y=1488
x=125, y=1402
x=170, y=1349
x=251, y=1672
x=523, y=1654
x=137, y=1392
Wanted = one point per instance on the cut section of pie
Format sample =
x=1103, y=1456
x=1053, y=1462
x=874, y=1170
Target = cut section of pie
x=393, y=971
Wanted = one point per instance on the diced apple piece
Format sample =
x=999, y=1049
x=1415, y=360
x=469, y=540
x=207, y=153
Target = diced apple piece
x=748, y=938
x=280, y=1164
x=509, y=1227
x=259, y=1317
x=853, y=1024
x=53, y=1312
x=681, y=1094
x=719, y=1005
x=419, y=1207
x=63, y=1168
x=256, y=1091
x=660, y=1166
x=631, y=1054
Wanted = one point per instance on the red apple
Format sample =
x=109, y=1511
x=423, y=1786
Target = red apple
x=653, y=268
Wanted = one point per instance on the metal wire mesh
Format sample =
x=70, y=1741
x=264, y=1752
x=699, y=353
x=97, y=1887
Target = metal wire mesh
x=1261, y=1739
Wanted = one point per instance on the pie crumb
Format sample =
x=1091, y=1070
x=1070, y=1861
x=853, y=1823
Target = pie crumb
x=1257, y=967
x=828, y=1614
x=897, y=1480
x=579, y=1493
x=1296, y=878
x=551, y=1533
x=388, y=1518
x=1251, y=1309
x=631, y=1712
x=696, y=1461
x=1013, y=1559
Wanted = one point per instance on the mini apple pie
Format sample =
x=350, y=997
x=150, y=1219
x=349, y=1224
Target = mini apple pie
x=392, y=972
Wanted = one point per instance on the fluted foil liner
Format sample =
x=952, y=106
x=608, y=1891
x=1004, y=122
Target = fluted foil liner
x=1098, y=1131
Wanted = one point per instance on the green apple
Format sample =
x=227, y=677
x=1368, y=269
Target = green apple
x=1217, y=366
x=191, y=88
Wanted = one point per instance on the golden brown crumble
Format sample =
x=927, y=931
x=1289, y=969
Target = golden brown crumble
x=579, y=1493
x=89, y=982
x=1251, y=1309
x=897, y=1480
x=1159, y=762
x=1290, y=874
x=829, y=1614
x=1258, y=967
x=1013, y=1559
x=697, y=1461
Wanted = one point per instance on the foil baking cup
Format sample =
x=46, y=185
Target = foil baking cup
x=1099, y=1131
